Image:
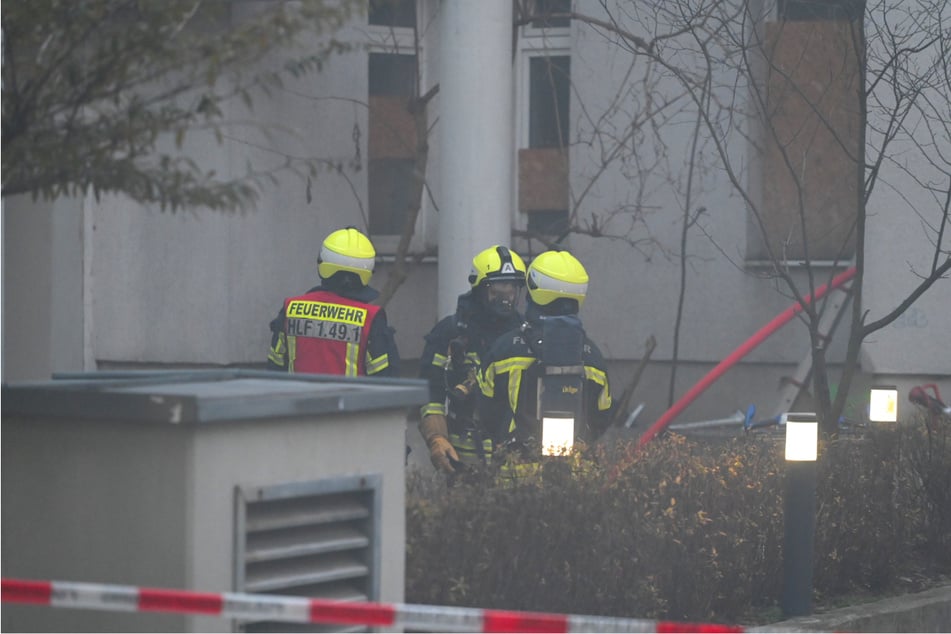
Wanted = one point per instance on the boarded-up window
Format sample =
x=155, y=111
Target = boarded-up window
x=392, y=140
x=543, y=179
x=810, y=174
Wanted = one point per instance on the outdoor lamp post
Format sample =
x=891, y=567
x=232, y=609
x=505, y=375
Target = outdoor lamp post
x=883, y=404
x=799, y=512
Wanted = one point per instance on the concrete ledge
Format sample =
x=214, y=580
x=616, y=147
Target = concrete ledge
x=928, y=611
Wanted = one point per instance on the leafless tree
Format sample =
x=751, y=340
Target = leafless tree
x=831, y=106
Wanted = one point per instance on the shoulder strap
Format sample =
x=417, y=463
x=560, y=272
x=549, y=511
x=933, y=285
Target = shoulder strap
x=557, y=341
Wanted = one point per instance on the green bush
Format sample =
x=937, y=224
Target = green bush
x=689, y=531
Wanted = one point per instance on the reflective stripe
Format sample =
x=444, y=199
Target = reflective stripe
x=291, y=353
x=468, y=449
x=514, y=366
x=433, y=408
x=326, y=311
x=507, y=365
x=352, y=360
x=379, y=364
x=560, y=287
x=515, y=384
x=486, y=381
x=277, y=353
x=601, y=378
x=510, y=472
x=440, y=360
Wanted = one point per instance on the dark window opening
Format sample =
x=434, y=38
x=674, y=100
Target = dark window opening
x=390, y=183
x=393, y=13
x=392, y=75
x=549, y=90
x=816, y=10
x=550, y=222
x=545, y=8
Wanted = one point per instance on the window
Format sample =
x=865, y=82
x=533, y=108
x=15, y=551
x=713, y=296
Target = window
x=549, y=82
x=543, y=96
x=807, y=177
x=391, y=146
x=392, y=75
x=390, y=185
x=392, y=13
x=812, y=10
x=551, y=222
x=545, y=8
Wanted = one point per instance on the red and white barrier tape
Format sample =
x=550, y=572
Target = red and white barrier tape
x=432, y=618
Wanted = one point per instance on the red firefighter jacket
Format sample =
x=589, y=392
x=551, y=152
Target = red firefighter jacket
x=327, y=333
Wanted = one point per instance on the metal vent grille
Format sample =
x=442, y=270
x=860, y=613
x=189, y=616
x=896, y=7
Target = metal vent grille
x=313, y=539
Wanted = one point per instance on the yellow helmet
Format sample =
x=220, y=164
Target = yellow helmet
x=554, y=275
x=347, y=250
x=496, y=264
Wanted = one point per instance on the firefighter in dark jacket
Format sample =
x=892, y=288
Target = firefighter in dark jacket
x=549, y=359
x=453, y=352
x=334, y=328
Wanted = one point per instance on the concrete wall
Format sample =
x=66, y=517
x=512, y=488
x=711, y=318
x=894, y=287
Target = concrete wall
x=97, y=502
x=905, y=222
x=44, y=321
x=900, y=234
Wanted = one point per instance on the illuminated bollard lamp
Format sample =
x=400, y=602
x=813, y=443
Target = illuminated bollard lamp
x=799, y=512
x=883, y=404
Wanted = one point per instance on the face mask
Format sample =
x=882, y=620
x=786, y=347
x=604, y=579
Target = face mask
x=501, y=297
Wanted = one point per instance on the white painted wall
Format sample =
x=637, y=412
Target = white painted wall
x=43, y=286
x=200, y=288
x=903, y=224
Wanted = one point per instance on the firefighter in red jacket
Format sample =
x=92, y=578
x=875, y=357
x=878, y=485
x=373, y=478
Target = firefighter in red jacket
x=334, y=328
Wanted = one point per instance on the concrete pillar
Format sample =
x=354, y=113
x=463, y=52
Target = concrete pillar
x=476, y=129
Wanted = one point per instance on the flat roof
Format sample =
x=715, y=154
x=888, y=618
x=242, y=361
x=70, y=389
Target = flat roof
x=204, y=396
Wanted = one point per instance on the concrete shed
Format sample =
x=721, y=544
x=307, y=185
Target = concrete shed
x=211, y=481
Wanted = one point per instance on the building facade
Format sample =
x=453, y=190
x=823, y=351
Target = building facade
x=648, y=157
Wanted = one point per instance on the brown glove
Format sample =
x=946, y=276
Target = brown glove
x=435, y=432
